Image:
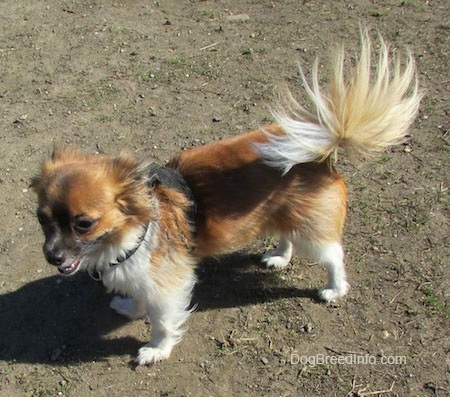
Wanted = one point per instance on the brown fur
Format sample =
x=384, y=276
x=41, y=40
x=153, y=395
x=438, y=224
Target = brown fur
x=239, y=198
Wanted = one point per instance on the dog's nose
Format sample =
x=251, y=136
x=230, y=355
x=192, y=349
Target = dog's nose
x=54, y=257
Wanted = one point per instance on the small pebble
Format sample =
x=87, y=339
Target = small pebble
x=238, y=18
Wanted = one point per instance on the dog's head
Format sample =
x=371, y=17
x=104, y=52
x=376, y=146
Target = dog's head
x=91, y=208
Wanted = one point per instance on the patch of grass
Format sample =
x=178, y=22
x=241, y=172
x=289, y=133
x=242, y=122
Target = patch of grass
x=419, y=217
x=92, y=98
x=383, y=159
x=103, y=118
x=379, y=13
x=315, y=371
x=442, y=197
x=110, y=88
x=151, y=75
x=447, y=147
x=433, y=301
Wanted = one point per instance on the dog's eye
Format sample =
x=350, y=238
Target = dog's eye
x=84, y=225
x=42, y=217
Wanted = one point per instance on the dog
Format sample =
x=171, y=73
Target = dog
x=142, y=228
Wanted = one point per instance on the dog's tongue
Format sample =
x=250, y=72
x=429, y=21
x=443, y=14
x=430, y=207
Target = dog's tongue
x=69, y=268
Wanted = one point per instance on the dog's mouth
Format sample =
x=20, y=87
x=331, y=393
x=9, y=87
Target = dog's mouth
x=69, y=268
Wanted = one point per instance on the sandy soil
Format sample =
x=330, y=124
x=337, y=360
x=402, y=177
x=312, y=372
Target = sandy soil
x=155, y=77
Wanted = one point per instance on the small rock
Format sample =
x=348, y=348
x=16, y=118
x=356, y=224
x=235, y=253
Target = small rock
x=308, y=328
x=20, y=119
x=238, y=18
x=264, y=360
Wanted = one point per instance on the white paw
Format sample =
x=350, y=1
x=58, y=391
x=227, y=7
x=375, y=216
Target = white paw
x=125, y=307
x=151, y=355
x=272, y=259
x=331, y=294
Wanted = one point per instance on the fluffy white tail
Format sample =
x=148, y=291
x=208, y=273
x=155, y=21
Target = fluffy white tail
x=363, y=113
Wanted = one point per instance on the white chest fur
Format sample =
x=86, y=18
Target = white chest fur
x=132, y=276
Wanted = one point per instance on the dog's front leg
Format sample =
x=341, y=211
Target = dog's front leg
x=167, y=310
x=166, y=319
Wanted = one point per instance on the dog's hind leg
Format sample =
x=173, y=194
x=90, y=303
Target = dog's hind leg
x=279, y=257
x=319, y=236
x=330, y=255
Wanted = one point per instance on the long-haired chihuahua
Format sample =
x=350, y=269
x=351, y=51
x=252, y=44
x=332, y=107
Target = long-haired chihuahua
x=142, y=228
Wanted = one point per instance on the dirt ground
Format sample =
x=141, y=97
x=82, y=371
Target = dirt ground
x=156, y=77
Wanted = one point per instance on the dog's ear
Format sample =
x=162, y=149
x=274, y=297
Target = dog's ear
x=132, y=190
x=59, y=152
x=127, y=169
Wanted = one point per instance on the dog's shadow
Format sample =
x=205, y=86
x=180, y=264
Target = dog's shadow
x=59, y=319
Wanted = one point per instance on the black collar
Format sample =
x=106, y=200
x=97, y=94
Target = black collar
x=97, y=274
x=130, y=252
